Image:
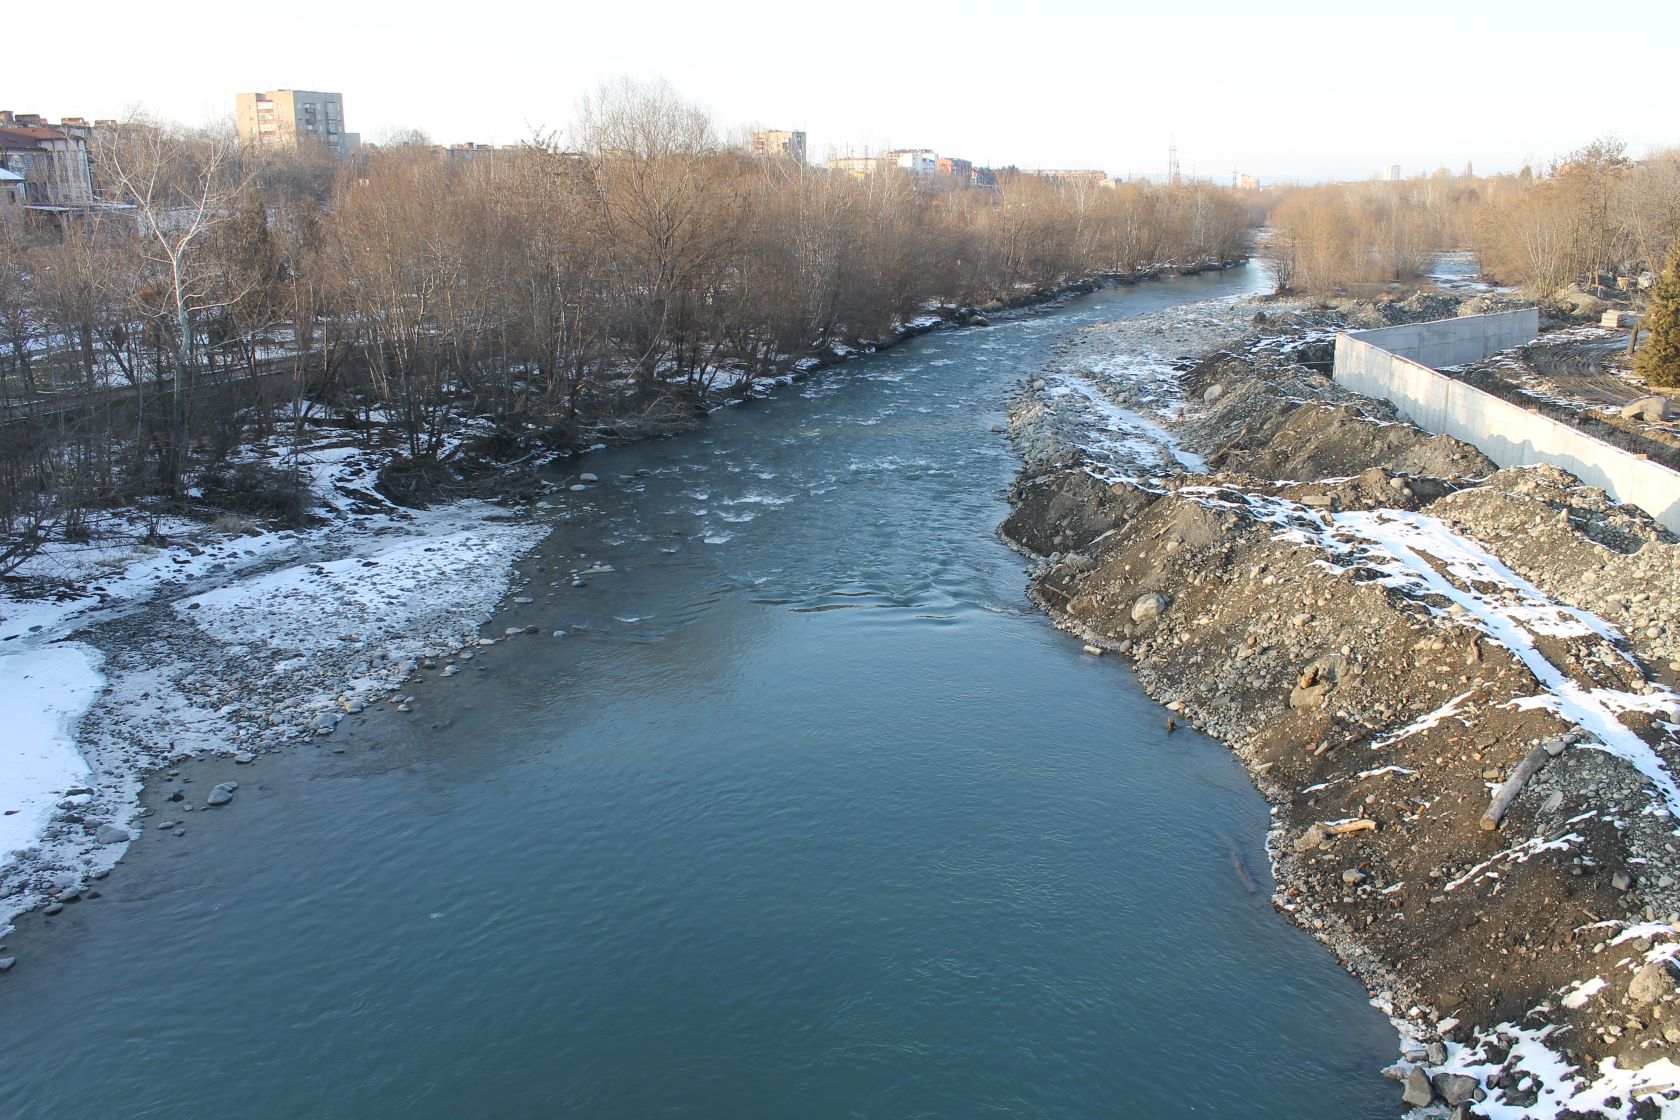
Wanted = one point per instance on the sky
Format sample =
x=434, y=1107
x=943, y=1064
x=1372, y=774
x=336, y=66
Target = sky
x=1302, y=91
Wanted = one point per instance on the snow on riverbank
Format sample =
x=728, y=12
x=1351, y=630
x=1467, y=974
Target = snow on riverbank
x=42, y=695
x=220, y=643
x=1423, y=557
x=1112, y=393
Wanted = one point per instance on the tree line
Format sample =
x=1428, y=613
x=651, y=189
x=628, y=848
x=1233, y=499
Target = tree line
x=630, y=268
x=1586, y=218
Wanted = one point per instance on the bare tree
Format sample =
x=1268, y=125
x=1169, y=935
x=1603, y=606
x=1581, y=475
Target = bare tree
x=181, y=187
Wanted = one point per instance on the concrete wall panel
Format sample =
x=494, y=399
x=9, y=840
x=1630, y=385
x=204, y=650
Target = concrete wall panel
x=1509, y=435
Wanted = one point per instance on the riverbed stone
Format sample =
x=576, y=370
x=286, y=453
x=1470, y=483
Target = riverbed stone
x=110, y=834
x=221, y=794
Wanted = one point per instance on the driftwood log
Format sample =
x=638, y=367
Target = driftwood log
x=1513, y=785
x=1338, y=828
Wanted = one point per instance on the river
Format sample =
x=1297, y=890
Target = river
x=809, y=814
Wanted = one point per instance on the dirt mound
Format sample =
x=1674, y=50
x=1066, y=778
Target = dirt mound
x=1379, y=623
x=1358, y=709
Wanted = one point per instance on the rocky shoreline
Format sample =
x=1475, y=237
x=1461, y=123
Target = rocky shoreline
x=1387, y=630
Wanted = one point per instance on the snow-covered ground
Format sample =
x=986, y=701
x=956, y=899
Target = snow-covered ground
x=43, y=692
x=1114, y=391
x=222, y=642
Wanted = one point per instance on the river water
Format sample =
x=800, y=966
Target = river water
x=809, y=815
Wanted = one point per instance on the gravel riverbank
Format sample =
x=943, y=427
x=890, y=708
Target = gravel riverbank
x=1387, y=629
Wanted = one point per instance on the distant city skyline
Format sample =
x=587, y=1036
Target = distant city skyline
x=1305, y=91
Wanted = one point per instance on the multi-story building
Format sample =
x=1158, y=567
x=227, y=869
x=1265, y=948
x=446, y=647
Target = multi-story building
x=777, y=144
x=1247, y=183
x=859, y=167
x=920, y=162
x=283, y=118
x=53, y=164
x=1094, y=177
x=959, y=169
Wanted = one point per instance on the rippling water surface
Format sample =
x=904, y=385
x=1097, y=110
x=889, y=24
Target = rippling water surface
x=809, y=815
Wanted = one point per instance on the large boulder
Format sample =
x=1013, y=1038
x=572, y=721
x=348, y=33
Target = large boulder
x=1149, y=607
x=1580, y=304
x=1455, y=1088
x=1419, y=1092
x=1651, y=409
x=1651, y=983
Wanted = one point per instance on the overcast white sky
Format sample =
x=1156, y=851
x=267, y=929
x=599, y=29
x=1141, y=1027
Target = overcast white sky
x=1282, y=90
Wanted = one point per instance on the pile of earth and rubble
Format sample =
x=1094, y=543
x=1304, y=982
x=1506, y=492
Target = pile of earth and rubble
x=1455, y=684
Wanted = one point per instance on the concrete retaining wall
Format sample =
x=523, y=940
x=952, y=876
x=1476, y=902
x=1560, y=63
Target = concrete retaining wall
x=1506, y=433
x=1456, y=342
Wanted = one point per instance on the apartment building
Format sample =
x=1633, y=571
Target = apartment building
x=920, y=162
x=859, y=167
x=283, y=118
x=777, y=144
x=52, y=164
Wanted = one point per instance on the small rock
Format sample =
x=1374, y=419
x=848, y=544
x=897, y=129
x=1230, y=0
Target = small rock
x=6, y=963
x=1311, y=838
x=1436, y=1052
x=221, y=794
x=586, y=477
x=1621, y=880
x=1353, y=876
x=52, y=908
x=245, y=758
x=110, y=834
